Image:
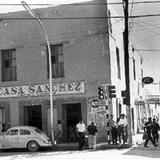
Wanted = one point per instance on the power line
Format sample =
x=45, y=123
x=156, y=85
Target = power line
x=57, y=18
x=78, y=4
x=51, y=4
x=148, y=50
x=74, y=18
x=147, y=15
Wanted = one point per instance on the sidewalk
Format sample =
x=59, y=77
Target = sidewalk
x=137, y=139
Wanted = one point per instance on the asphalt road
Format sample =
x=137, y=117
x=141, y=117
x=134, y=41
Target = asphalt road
x=136, y=153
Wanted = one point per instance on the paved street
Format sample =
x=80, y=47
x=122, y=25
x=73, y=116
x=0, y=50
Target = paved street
x=137, y=152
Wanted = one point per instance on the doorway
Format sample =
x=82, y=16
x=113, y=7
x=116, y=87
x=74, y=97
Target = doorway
x=33, y=116
x=71, y=114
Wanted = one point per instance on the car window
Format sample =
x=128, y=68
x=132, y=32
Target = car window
x=24, y=132
x=38, y=130
x=12, y=132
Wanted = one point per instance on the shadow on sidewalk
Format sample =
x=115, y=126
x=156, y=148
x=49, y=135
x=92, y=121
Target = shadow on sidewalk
x=140, y=150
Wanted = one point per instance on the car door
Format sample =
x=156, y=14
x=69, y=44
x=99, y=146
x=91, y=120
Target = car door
x=24, y=136
x=11, y=139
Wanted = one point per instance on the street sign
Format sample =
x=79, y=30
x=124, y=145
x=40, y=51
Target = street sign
x=147, y=80
x=95, y=103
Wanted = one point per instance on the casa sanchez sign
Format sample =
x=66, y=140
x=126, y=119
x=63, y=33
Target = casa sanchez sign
x=40, y=90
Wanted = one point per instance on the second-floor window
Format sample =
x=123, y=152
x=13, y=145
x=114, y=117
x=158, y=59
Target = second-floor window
x=118, y=63
x=9, y=67
x=134, y=69
x=57, y=61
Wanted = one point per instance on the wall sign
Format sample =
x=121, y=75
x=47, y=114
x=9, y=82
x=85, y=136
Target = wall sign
x=40, y=90
x=147, y=80
x=95, y=103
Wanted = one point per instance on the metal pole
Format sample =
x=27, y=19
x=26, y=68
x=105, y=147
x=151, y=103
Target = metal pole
x=52, y=97
x=127, y=79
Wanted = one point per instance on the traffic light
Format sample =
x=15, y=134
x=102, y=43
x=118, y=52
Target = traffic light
x=101, y=92
x=124, y=95
x=112, y=91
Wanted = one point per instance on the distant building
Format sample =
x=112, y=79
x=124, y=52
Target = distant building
x=86, y=53
x=137, y=93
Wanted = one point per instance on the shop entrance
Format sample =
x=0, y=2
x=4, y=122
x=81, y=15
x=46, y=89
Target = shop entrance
x=33, y=116
x=71, y=114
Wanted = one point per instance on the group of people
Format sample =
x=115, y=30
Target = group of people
x=151, y=128
x=118, y=129
x=80, y=132
x=91, y=129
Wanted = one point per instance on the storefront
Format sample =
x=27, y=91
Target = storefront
x=30, y=105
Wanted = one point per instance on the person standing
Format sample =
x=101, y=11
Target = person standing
x=80, y=130
x=113, y=129
x=122, y=128
x=59, y=132
x=92, y=130
x=155, y=130
x=148, y=129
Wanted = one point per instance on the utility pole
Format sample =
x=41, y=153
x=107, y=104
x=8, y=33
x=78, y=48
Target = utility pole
x=52, y=97
x=127, y=77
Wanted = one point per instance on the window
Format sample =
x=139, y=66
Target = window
x=141, y=61
x=57, y=59
x=2, y=119
x=134, y=69
x=9, y=68
x=142, y=77
x=24, y=132
x=118, y=64
x=38, y=130
x=12, y=132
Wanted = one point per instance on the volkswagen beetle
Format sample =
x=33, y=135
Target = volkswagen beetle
x=24, y=137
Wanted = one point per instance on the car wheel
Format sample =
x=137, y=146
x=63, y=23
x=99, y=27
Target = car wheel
x=33, y=146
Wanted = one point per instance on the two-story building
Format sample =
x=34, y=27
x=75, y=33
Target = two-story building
x=78, y=36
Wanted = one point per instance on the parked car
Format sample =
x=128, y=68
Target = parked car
x=24, y=137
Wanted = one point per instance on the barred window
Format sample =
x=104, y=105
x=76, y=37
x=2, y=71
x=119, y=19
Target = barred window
x=9, y=66
x=118, y=63
x=57, y=59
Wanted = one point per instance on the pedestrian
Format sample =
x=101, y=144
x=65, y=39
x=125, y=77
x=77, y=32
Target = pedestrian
x=80, y=130
x=122, y=128
x=148, y=129
x=59, y=132
x=71, y=132
x=118, y=130
x=155, y=130
x=92, y=130
x=114, y=130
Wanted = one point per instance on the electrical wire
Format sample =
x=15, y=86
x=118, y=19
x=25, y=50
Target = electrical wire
x=77, y=18
x=147, y=50
x=79, y=4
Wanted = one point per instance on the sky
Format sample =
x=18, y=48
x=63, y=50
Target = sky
x=7, y=8
x=144, y=32
x=144, y=35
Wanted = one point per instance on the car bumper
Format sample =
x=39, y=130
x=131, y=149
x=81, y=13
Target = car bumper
x=46, y=144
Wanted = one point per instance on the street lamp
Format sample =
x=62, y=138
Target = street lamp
x=34, y=15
